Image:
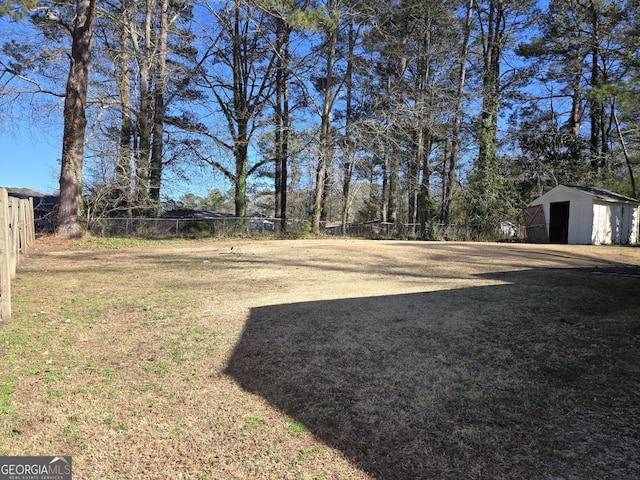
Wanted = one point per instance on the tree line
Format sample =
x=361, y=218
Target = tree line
x=407, y=111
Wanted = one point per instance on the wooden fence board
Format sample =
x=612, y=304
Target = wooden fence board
x=17, y=235
x=14, y=230
x=5, y=257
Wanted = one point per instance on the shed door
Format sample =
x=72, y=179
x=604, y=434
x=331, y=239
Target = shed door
x=535, y=224
x=559, y=222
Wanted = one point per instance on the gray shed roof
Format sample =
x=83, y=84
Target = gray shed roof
x=604, y=194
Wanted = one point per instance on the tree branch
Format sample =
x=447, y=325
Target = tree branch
x=52, y=17
x=213, y=163
x=39, y=88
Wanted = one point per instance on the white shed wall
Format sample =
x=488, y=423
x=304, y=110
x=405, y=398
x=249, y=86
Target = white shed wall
x=602, y=232
x=630, y=215
x=580, y=221
x=635, y=225
x=614, y=223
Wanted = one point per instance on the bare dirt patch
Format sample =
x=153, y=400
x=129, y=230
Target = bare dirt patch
x=325, y=359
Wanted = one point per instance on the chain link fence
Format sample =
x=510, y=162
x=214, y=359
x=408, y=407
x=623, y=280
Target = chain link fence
x=225, y=226
x=186, y=227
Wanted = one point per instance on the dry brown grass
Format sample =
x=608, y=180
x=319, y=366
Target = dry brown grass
x=325, y=359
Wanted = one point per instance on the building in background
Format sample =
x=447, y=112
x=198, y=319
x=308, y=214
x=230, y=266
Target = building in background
x=583, y=215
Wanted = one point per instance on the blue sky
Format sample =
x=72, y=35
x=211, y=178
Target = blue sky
x=30, y=132
x=29, y=157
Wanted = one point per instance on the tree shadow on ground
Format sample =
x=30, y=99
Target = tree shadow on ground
x=499, y=381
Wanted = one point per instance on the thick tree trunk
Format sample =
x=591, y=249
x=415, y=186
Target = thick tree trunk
x=75, y=122
x=486, y=179
x=123, y=167
x=281, y=138
x=386, y=163
x=394, y=186
x=145, y=114
x=423, y=200
x=277, y=149
x=240, y=197
x=325, y=145
x=277, y=137
x=597, y=110
x=413, y=177
x=284, y=152
x=450, y=178
x=487, y=137
x=155, y=174
x=348, y=154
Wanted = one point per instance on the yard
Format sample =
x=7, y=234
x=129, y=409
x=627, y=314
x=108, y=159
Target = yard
x=325, y=359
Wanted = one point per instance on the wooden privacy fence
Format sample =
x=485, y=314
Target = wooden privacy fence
x=17, y=234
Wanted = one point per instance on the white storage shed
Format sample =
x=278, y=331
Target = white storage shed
x=583, y=215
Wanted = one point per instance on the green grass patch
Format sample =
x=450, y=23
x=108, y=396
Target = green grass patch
x=252, y=423
x=7, y=390
x=115, y=243
x=161, y=368
x=71, y=435
x=146, y=387
x=306, y=454
x=297, y=428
